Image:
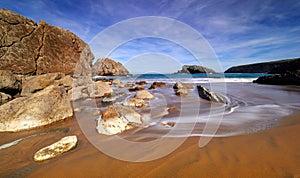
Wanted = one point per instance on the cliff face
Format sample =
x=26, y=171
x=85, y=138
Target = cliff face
x=278, y=67
x=28, y=48
x=194, y=69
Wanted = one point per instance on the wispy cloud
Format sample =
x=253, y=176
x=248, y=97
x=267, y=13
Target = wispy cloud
x=238, y=31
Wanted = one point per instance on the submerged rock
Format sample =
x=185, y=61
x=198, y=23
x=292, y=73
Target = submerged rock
x=42, y=108
x=157, y=84
x=141, y=83
x=137, y=88
x=112, y=97
x=182, y=88
x=63, y=145
x=143, y=94
x=117, y=119
x=134, y=102
x=101, y=89
x=180, y=85
x=181, y=92
x=108, y=67
x=206, y=94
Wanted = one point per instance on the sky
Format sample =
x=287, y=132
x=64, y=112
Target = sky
x=162, y=35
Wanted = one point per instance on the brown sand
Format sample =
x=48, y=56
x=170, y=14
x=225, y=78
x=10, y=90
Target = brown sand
x=271, y=153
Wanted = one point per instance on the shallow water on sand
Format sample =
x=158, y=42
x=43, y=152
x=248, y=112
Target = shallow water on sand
x=252, y=108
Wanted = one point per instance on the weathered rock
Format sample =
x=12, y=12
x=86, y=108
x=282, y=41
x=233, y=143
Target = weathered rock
x=141, y=83
x=144, y=94
x=62, y=146
x=288, y=78
x=116, y=81
x=108, y=67
x=117, y=119
x=181, y=92
x=4, y=97
x=79, y=92
x=157, y=84
x=42, y=108
x=137, y=88
x=194, y=69
x=9, y=83
x=206, y=94
x=32, y=84
x=180, y=85
x=28, y=48
x=112, y=97
x=101, y=89
x=134, y=102
x=274, y=67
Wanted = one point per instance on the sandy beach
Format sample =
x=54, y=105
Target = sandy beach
x=271, y=153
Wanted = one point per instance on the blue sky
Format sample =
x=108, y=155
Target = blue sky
x=238, y=31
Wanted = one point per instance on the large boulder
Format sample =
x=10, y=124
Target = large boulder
x=63, y=145
x=194, y=69
x=28, y=48
x=288, y=78
x=31, y=84
x=117, y=119
x=108, y=67
x=42, y=108
x=206, y=94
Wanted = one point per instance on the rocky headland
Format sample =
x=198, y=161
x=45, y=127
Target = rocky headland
x=274, y=67
x=285, y=72
x=194, y=69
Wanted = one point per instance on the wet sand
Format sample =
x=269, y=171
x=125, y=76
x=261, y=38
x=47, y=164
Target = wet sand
x=270, y=153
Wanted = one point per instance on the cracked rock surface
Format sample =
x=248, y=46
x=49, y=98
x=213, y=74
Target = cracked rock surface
x=28, y=48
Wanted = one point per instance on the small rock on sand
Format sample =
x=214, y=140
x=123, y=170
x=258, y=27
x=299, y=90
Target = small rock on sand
x=63, y=145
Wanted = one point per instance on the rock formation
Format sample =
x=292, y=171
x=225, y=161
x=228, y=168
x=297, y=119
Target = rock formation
x=274, y=67
x=288, y=78
x=28, y=48
x=108, y=67
x=134, y=102
x=9, y=81
x=41, y=108
x=206, y=94
x=194, y=69
x=63, y=145
x=117, y=119
x=182, y=88
x=144, y=94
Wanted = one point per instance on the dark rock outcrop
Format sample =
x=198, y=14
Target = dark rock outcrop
x=28, y=48
x=206, y=94
x=108, y=67
x=275, y=67
x=194, y=69
x=288, y=78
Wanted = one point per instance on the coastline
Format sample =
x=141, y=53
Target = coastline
x=270, y=153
